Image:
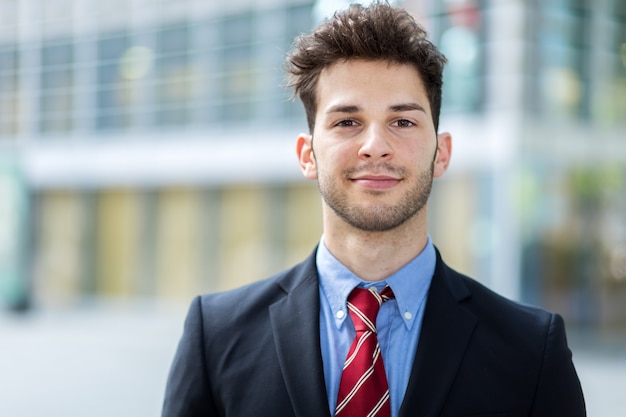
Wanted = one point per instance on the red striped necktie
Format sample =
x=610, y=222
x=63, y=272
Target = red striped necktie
x=363, y=391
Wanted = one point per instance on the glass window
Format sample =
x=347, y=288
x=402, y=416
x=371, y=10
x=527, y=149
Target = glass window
x=8, y=90
x=618, y=39
x=299, y=20
x=113, y=94
x=618, y=51
x=460, y=36
x=560, y=62
x=205, y=64
x=235, y=80
x=242, y=60
x=266, y=75
x=174, y=88
x=57, y=83
x=236, y=83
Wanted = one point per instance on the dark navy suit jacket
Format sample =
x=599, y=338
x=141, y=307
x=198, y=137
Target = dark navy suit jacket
x=255, y=352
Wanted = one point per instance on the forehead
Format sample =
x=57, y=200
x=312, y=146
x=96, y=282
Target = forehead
x=361, y=82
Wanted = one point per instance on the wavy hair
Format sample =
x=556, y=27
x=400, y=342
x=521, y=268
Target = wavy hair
x=379, y=32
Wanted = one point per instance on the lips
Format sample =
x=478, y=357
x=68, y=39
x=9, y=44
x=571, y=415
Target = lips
x=376, y=182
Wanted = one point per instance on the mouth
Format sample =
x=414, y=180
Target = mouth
x=376, y=182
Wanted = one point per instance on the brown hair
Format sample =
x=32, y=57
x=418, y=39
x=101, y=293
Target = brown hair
x=377, y=32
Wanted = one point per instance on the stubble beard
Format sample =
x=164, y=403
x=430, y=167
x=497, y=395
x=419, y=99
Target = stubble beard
x=382, y=217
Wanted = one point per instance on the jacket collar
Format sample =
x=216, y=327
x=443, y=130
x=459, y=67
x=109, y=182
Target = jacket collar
x=446, y=331
x=295, y=323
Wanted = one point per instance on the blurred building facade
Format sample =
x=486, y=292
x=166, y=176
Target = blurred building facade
x=148, y=148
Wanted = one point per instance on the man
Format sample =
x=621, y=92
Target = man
x=373, y=323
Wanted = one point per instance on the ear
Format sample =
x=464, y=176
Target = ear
x=306, y=158
x=444, y=152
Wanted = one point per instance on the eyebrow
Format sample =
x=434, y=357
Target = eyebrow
x=407, y=107
x=343, y=108
x=350, y=108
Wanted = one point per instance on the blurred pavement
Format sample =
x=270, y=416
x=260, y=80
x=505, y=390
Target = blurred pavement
x=106, y=359
x=112, y=358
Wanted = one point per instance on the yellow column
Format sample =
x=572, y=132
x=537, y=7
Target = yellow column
x=118, y=239
x=59, y=242
x=304, y=221
x=179, y=235
x=243, y=251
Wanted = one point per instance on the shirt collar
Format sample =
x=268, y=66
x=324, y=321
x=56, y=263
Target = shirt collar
x=409, y=284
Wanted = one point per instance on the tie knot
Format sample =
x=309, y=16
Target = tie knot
x=363, y=305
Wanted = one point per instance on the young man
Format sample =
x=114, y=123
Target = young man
x=373, y=323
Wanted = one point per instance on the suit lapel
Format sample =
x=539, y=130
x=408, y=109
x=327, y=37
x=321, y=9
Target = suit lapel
x=446, y=332
x=295, y=323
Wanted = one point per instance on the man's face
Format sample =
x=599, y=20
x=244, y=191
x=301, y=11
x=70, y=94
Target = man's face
x=374, y=144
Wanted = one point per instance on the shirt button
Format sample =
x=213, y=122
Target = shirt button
x=408, y=315
x=340, y=314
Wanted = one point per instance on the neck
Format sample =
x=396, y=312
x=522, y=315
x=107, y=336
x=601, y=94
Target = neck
x=374, y=256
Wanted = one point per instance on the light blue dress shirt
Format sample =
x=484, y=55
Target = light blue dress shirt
x=398, y=323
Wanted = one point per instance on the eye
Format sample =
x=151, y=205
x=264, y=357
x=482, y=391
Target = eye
x=346, y=123
x=403, y=123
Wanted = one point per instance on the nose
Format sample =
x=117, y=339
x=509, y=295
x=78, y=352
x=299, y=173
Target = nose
x=375, y=144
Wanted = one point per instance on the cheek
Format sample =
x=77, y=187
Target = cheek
x=331, y=157
x=426, y=152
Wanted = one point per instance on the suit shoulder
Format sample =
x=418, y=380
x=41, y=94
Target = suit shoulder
x=489, y=305
x=511, y=327
x=257, y=296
